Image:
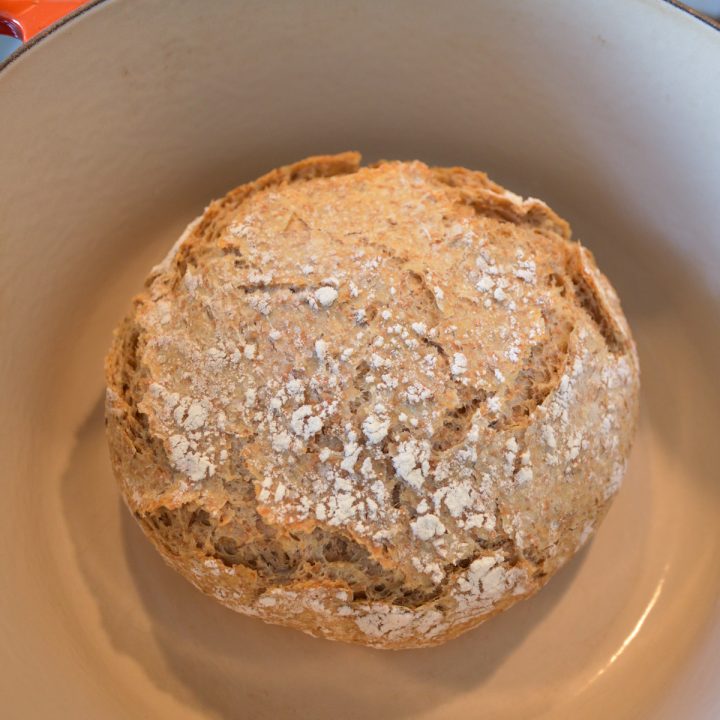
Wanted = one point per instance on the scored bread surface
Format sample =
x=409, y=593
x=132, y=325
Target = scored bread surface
x=375, y=404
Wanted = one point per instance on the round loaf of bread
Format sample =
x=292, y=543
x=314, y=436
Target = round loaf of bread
x=375, y=404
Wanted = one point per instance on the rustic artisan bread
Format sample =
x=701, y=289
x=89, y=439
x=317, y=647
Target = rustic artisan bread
x=376, y=404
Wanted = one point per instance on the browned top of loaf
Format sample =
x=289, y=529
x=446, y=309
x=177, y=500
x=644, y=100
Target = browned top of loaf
x=401, y=353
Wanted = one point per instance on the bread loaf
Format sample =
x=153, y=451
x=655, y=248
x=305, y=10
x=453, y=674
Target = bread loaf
x=375, y=404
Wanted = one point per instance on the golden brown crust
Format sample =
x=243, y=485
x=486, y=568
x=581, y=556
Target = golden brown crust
x=376, y=404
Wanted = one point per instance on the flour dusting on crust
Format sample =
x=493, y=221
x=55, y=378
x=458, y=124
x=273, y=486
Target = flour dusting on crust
x=377, y=404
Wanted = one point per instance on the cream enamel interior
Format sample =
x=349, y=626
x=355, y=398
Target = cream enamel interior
x=115, y=133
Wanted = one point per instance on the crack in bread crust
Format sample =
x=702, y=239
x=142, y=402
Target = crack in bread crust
x=591, y=294
x=296, y=557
